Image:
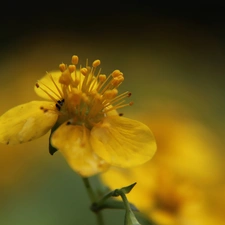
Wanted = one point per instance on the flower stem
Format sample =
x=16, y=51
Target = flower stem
x=93, y=199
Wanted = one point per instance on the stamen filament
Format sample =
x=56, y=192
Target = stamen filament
x=50, y=96
x=105, y=83
x=48, y=89
x=94, y=81
x=56, y=86
x=84, y=84
x=118, y=98
x=118, y=106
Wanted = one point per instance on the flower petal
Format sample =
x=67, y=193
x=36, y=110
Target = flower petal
x=26, y=122
x=47, y=81
x=73, y=142
x=123, y=142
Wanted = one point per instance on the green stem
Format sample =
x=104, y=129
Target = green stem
x=129, y=217
x=93, y=199
x=89, y=189
x=125, y=201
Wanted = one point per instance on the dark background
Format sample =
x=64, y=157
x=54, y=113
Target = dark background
x=114, y=19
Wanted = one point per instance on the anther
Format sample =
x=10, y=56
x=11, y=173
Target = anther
x=96, y=63
x=62, y=67
x=37, y=85
x=84, y=71
x=72, y=68
x=44, y=110
x=120, y=114
x=65, y=78
x=59, y=104
x=131, y=103
x=117, y=73
x=75, y=59
x=117, y=80
x=129, y=94
x=102, y=77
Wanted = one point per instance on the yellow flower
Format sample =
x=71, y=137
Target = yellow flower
x=81, y=113
x=171, y=188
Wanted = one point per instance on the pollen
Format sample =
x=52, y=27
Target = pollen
x=83, y=94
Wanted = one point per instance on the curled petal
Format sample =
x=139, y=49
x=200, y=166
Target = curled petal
x=27, y=122
x=73, y=142
x=123, y=142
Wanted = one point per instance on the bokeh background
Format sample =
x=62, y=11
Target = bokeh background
x=173, y=59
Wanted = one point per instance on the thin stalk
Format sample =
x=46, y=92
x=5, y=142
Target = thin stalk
x=93, y=199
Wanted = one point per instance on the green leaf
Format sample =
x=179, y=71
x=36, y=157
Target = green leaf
x=127, y=189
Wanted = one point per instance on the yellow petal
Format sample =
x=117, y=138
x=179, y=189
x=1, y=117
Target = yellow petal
x=73, y=142
x=47, y=81
x=27, y=122
x=123, y=142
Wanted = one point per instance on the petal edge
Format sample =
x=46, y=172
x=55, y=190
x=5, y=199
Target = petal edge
x=123, y=142
x=27, y=122
x=74, y=143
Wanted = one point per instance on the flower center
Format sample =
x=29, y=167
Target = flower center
x=85, y=96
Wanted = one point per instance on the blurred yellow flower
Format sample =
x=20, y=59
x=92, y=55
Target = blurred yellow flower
x=81, y=114
x=171, y=188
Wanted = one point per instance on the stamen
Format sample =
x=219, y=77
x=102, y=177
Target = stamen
x=59, y=104
x=92, y=78
x=97, y=106
x=44, y=109
x=95, y=80
x=62, y=67
x=84, y=106
x=56, y=87
x=89, y=95
x=109, y=95
x=47, y=110
x=104, y=83
x=96, y=63
x=65, y=78
x=117, y=79
x=116, y=73
x=72, y=68
x=48, y=88
x=75, y=59
x=102, y=77
x=118, y=106
x=119, y=97
x=50, y=96
x=84, y=71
